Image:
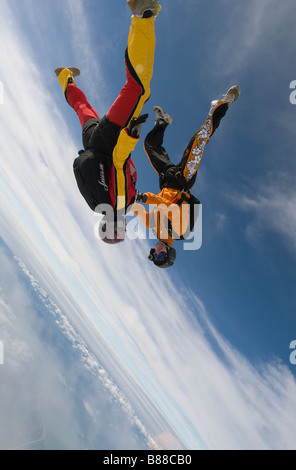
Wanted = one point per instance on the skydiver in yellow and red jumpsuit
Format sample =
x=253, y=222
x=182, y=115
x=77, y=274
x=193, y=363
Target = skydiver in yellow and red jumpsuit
x=105, y=173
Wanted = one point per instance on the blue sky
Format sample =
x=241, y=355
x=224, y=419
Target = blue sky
x=201, y=352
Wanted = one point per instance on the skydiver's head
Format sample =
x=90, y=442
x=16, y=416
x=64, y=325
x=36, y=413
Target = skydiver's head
x=163, y=255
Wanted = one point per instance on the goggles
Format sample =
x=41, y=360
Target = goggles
x=161, y=256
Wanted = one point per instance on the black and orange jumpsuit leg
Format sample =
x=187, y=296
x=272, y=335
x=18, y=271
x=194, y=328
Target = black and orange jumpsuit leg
x=182, y=175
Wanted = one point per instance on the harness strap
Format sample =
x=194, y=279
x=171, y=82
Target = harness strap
x=185, y=197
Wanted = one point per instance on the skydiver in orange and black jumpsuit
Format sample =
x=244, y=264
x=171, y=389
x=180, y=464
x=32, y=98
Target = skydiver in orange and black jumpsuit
x=176, y=181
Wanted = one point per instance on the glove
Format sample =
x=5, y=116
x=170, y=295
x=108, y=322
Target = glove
x=135, y=125
x=140, y=197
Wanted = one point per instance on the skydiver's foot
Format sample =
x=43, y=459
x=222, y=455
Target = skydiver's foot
x=74, y=70
x=162, y=116
x=144, y=8
x=66, y=76
x=232, y=95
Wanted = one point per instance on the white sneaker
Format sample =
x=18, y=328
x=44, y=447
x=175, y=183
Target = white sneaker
x=161, y=115
x=144, y=8
x=232, y=94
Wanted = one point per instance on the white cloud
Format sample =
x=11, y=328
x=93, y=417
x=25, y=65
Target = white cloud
x=86, y=51
x=253, y=30
x=87, y=358
x=272, y=209
x=29, y=386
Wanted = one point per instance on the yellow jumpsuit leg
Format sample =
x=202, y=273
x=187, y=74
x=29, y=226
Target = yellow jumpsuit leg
x=140, y=51
x=140, y=61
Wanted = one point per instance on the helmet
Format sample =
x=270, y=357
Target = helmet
x=165, y=261
x=112, y=232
